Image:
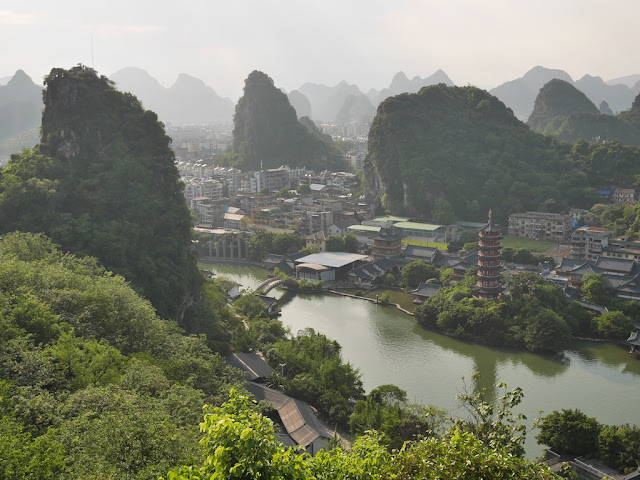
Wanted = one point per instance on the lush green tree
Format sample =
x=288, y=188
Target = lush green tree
x=546, y=331
x=443, y=212
x=335, y=243
x=303, y=189
x=615, y=325
x=240, y=443
x=494, y=423
x=569, y=432
x=619, y=447
x=415, y=272
x=594, y=289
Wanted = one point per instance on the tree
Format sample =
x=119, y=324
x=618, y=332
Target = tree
x=615, y=325
x=303, y=189
x=619, y=447
x=443, y=212
x=594, y=289
x=569, y=432
x=546, y=331
x=335, y=243
x=418, y=271
x=494, y=424
x=240, y=443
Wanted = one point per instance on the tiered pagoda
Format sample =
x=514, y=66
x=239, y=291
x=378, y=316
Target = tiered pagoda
x=488, y=284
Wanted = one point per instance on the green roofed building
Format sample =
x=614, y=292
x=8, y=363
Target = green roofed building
x=422, y=231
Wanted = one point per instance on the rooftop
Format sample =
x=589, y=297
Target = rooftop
x=332, y=259
x=427, y=227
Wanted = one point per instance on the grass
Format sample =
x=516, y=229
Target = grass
x=507, y=242
x=528, y=243
x=425, y=243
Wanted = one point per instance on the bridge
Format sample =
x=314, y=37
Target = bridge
x=269, y=284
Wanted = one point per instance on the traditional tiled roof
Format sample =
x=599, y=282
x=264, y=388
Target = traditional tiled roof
x=615, y=264
x=273, y=258
x=298, y=418
x=426, y=290
x=421, y=252
x=568, y=264
x=491, y=227
x=388, y=235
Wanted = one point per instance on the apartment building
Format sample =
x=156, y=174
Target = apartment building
x=540, y=225
x=587, y=243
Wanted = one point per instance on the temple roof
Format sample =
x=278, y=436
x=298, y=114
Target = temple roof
x=490, y=226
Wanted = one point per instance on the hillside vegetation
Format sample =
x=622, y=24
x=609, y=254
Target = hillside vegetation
x=267, y=133
x=103, y=182
x=463, y=145
x=92, y=383
x=565, y=112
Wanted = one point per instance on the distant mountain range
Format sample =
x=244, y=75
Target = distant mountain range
x=20, y=113
x=565, y=112
x=520, y=94
x=190, y=101
x=187, y=101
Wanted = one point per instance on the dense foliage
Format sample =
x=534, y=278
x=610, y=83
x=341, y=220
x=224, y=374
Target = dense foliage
x=315, y=373
x=103, y=182
x=92, y=383
x=569, y=432
x=239, y=443
x=413, y=273
x=529, y=318
x=267, y=133
x=556, y=101
x=464, y=145
x=573, y=432
x=262, y=243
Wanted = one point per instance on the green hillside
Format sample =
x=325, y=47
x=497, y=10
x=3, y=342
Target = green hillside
x=103, y=182
x=463, y=145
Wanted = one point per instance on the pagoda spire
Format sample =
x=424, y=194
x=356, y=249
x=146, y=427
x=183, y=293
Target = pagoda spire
x=488, y=284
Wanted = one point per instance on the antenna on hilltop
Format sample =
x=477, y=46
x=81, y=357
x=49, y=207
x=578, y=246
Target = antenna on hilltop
x=92, y=64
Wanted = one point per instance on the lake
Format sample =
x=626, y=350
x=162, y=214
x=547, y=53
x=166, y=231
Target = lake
x=388, y=346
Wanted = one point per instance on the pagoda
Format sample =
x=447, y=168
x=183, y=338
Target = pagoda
x=488, y=285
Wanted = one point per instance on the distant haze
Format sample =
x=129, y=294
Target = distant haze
x=363, y=43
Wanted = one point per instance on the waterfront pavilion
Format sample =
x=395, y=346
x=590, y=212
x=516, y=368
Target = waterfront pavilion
x=328, y=266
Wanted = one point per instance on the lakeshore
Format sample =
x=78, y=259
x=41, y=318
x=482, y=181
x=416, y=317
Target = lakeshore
x=389, y=347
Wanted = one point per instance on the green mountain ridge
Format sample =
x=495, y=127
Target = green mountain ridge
x=103, y=182
x=557, y=101
x=564, y=111
x=267, y=133
x=465, y=146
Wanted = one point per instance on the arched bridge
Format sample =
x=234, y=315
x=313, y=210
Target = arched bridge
x=270, y=283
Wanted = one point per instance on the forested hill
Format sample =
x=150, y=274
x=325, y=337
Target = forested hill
x=562, y=110
x=267, y=133
x=462, y=145
x=103, y=182
x=556, y=101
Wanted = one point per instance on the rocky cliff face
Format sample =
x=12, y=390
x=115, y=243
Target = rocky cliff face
x=118, y=194
x=267, y=133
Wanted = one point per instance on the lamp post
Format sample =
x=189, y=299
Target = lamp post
x=282, y=365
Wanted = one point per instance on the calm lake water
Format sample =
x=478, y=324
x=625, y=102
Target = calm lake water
x=387, y=346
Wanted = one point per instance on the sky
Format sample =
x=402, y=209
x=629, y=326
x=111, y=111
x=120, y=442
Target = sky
x=365, y=42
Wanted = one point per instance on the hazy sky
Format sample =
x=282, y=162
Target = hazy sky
x=365, y=42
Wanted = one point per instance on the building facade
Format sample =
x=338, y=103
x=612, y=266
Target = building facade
x=540, y=225
x=587, y=243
